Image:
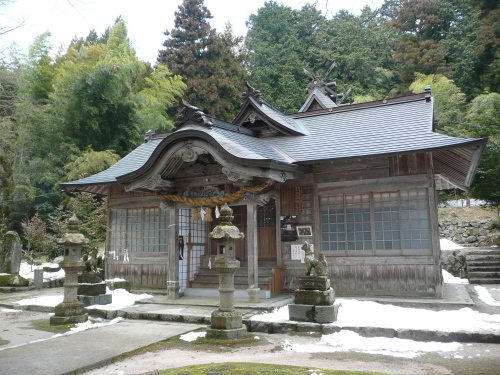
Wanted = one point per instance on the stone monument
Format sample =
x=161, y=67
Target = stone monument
x=315, y=298
x=71, y=310
x=226, y=322
x=10, y=261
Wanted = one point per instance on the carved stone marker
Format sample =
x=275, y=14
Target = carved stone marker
x=315, y=298
x=10, y=253
x=226, y=322
x=71, y=310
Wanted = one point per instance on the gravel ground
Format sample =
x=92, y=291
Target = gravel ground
x=477, y=359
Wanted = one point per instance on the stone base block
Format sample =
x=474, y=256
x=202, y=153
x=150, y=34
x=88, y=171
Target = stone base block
x=72, y=319
x=89, y=278
x=227, y=334
x=101, y=299
x=314, y=283
x=119, y=284
x=315, y=297
x=91, y=289
x=226, y=320
x=70, y=309
x=253, y=295
x=315, y=314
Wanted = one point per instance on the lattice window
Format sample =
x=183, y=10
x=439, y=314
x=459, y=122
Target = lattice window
x=140, y=230
x=291, y=200
x=376, y=223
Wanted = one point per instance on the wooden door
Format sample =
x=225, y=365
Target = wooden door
x=266, y=232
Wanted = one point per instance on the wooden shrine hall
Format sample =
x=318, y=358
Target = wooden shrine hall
x=356, y=181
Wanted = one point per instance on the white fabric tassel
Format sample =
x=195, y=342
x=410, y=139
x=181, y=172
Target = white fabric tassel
x=202, y=213
x=210, y=263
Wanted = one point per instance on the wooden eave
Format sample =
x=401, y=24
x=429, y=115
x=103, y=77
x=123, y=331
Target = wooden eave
x=238, y=120
x=194, y=134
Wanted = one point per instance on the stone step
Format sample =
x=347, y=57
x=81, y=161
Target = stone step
x=482, y=257
x=483, y=263
x=482, y=251
x=242, y=271
x=484, y=275
x=483, y=268
x=485, y=281
x=215, y=285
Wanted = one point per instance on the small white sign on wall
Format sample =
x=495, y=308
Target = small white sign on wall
x=298, y=253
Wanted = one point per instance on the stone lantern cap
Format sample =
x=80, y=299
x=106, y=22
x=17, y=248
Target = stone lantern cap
x=72, y=237
x=226, y=231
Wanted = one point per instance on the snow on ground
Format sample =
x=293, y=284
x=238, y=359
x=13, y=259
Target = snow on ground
x=121, y=299
x=345, y=341
x=485, y=296
x=28, y=272
x=192, y=336
x=449, y=245
x=448, y=278
x=355, y=313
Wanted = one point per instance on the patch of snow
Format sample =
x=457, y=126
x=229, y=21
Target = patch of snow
x=116, y=279
x=276, y=315
x=192, y=336
x=449, y=245
x=448, y=278
x=345, y=341
x=121, y=299
x=354, y=313
x=42, y=301
x=80, y=327
x=28, y=272
x=485, y=296
x=12, y=310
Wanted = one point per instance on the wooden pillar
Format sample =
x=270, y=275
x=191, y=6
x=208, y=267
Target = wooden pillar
x=173, y=284
x=252, y=252
x=434, y=223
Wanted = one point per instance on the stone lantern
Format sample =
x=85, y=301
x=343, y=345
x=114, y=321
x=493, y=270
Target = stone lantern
x=226, y=322
x=71, y=310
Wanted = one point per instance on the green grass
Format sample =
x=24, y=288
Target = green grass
x=44, y=325
x=248, y=368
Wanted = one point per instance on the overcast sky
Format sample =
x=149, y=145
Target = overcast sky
x=146, y=20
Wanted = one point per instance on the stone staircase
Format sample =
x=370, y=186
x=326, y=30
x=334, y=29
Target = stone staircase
x=483, y=266
x=208, y=278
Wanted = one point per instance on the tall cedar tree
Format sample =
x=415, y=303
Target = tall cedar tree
x=206, y=60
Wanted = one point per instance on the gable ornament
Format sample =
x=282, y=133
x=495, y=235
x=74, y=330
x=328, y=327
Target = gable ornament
x=190, y=113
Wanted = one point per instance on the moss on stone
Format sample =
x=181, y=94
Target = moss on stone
x=13, y=280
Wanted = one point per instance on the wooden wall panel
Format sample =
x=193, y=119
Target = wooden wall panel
x=415, y=280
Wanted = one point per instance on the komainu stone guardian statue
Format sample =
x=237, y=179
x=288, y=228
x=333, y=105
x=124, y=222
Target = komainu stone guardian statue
x=315, y=298
x=318, y=265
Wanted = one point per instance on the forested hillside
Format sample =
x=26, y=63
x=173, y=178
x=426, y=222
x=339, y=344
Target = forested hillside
x=75, y=113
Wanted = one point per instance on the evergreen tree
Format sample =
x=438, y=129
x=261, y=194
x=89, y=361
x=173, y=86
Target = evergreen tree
x=206, y=60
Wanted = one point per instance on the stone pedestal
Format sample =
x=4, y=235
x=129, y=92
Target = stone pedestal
x=314, y=301
x=253, y=295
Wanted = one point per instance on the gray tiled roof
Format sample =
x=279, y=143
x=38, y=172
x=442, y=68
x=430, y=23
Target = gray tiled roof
x=278, y=116
x=241, y=145
x=320, y=97
x=129, y=163
x=344, y=132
